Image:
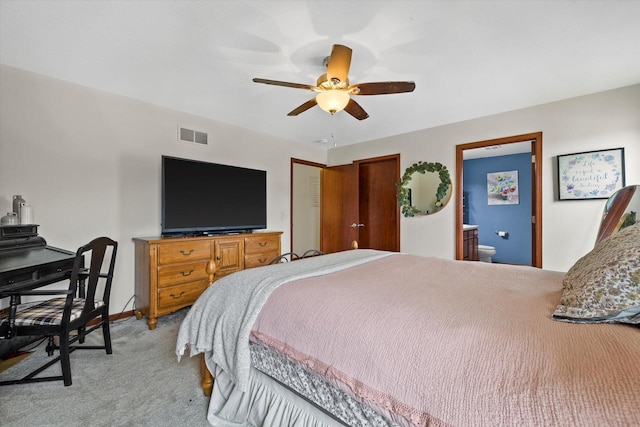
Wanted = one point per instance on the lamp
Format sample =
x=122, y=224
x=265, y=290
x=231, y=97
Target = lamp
x=333, y=100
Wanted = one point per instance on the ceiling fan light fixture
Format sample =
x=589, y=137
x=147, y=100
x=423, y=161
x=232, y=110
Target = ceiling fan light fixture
x=333, y=91
x=333, y=101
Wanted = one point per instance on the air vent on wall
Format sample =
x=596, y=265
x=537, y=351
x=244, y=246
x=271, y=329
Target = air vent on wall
x=190, y=135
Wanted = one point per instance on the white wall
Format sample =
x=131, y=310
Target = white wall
x=604, y=120
x=89, y=163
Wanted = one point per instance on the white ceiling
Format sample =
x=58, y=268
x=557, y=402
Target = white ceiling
x=468, y=58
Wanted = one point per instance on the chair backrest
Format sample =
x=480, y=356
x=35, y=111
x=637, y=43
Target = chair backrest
x=102, y=252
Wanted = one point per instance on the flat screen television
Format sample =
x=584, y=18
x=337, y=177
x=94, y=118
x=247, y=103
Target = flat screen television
x=200, y=198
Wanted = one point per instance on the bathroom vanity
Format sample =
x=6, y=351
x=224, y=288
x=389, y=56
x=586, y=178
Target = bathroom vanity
x=470, y=243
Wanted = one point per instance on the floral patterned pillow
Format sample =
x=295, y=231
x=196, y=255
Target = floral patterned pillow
x=604, y=285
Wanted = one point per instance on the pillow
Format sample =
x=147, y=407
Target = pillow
x=604, y=285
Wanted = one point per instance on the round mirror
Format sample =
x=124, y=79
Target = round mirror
x=425, y=188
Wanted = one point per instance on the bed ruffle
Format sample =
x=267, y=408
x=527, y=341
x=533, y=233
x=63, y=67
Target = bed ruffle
x=265, y=402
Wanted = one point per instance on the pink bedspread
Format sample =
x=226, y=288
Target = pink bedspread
x=429, y=341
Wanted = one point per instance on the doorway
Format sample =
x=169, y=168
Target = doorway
x=357, y=204
x=535, y=140
x=305, y=225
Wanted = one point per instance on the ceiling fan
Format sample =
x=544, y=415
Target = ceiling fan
x=333, y=88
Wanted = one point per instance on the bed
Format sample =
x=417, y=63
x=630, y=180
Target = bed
x=371, y=338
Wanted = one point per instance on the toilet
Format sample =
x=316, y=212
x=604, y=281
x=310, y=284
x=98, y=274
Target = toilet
x=486, y=252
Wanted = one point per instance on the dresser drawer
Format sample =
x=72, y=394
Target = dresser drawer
x=258, y=260
x=174, y=297
x=261, y=244
x=183, y=252
x=171, y=273
x=174, y=274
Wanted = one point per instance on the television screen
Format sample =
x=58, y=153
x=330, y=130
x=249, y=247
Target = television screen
x=208, y=198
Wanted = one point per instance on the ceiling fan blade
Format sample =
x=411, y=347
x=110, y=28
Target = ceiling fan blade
x=356, y=110
x=304, y=107
x=383, y=88
x=285, y=84
x=339, y=63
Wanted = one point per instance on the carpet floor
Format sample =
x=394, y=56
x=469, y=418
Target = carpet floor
x=140, y=384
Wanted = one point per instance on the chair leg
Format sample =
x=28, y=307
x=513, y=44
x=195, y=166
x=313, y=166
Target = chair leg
x=106, y=333
x=64, y=358
x=51, y=345
x=81, y=333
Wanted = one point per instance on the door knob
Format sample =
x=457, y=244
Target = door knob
x=354, y=225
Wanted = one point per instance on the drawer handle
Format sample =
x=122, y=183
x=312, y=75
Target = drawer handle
x=262, y=260
x=184, y=274
x=177, y=297
x=262, y=244
x=186, y=253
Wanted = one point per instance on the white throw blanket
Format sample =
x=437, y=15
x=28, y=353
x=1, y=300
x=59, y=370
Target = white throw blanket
x=220, y=321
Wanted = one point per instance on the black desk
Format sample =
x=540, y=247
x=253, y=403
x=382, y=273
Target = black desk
x=34, y=267
x=29, y=268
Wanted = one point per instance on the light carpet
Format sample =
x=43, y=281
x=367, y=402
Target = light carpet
x=140, y=384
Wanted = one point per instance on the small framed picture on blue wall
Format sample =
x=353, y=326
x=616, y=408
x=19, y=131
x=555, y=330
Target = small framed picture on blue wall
x=591, y=174
x=502, y=188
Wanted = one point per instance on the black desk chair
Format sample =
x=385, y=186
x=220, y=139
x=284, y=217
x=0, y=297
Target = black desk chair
x=63, y=315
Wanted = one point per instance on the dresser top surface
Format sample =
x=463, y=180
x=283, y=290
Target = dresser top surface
x=162, y=239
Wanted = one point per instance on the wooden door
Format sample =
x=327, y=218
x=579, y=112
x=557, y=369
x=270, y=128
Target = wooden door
x=359, y=204
x=379, y=215
x=339, y=208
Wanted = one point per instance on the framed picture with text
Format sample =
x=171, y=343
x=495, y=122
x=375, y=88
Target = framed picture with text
x=591, y=174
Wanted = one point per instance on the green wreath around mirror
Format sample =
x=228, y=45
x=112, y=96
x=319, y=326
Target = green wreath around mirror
x=404, y=192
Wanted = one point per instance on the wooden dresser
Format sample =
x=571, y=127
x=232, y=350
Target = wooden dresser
x=170, y=273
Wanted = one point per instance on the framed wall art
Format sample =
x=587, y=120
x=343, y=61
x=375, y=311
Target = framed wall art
x=502, y=188
x=591, y=174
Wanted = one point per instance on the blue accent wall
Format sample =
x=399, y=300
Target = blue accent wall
x=515, y=219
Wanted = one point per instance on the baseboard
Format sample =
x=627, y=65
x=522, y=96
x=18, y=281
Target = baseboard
x=122, y=315
x=113, y=317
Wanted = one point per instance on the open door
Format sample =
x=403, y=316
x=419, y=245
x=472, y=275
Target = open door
x=339, y=208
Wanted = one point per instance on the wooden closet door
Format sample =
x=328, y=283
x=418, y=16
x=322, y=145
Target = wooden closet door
x=378, y=206
x=359, y=203
x=339, y=208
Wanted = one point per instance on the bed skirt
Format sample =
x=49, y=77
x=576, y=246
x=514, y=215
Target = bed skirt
x=265, y=403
